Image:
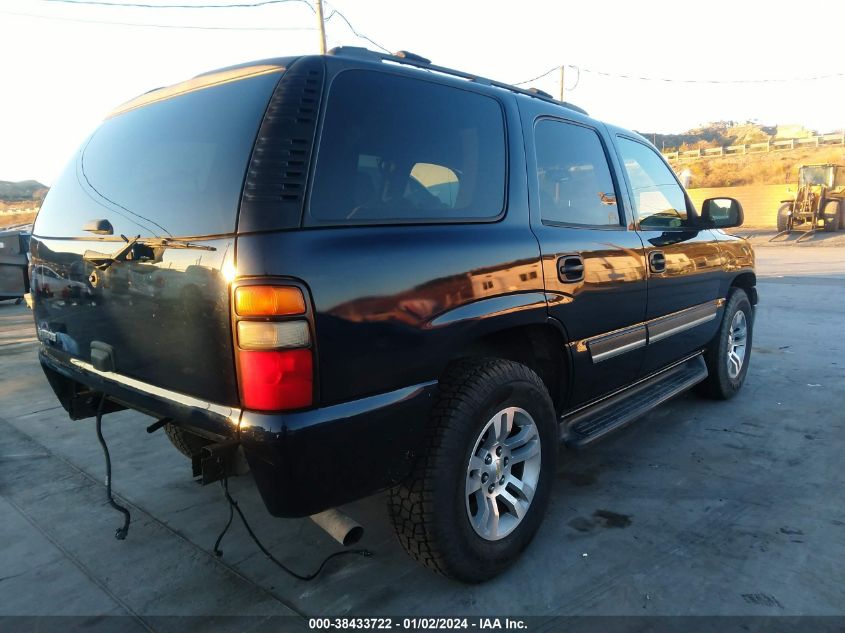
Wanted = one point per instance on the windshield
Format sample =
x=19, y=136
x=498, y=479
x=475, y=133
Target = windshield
x=817, y=175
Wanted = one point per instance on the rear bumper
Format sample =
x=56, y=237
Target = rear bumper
x=308, y=461
x=212, y=420
x=302, y=462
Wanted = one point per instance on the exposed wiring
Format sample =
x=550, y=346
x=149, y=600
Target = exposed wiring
x=121, y=532
x=233, y=507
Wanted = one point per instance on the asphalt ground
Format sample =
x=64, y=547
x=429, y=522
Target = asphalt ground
x=700, y=508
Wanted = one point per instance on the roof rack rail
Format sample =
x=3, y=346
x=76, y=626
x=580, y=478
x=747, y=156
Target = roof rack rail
x=411, y=59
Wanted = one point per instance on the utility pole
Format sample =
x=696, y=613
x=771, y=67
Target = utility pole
x=561, y=83
x=322, y=26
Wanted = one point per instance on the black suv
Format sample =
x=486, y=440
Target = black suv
x=369, y=272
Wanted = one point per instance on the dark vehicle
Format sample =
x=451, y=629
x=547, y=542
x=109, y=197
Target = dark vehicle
x=14, y=262
x=368, y=272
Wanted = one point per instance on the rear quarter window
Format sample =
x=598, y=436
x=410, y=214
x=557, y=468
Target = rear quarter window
x=173, y=167
x=402, y=150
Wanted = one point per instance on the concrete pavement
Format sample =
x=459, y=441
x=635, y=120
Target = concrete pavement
x=701, y=508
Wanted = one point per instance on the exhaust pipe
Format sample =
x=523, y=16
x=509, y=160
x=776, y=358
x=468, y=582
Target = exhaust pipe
x=339, y=526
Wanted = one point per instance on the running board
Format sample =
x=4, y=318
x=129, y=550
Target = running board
x=597, y=420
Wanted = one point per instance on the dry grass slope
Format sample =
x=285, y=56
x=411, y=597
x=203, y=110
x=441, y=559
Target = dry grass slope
x=773, y=168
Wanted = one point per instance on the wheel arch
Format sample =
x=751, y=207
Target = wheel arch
x=748, y=282
x=542, y=347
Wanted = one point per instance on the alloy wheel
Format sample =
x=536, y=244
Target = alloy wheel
x=502, y=473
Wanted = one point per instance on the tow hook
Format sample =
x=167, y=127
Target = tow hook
x=219, y=460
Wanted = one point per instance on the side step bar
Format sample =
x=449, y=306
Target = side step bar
x=587, y=425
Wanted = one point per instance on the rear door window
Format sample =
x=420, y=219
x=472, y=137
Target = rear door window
x=576, y=188
x=172, y=167
x=397, y=150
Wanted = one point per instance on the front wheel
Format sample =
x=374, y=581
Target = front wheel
x=831, y=216
x=783, y=217
x=481, y=487
x=728, y=354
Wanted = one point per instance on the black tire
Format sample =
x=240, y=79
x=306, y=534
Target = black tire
x=831, y=216
x=783, y=217
x=720, y=384
x=189, y=444
x=429, y=511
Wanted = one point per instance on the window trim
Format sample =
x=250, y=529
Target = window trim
x=623, y=225
x=307, y=219
x=635, y=212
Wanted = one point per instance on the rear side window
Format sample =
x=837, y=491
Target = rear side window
x=396, y=150
x=574, y=179
x=174, y=167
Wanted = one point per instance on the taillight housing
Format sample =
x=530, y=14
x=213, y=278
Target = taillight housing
x=274, y=346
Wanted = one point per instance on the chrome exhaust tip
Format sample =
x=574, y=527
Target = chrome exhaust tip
x=339, y=526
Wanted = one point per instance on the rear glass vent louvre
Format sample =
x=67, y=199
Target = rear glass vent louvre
x=278, y=170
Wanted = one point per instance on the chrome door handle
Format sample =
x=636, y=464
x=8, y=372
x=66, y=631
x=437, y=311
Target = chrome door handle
x=570, y=268
x=657, y=261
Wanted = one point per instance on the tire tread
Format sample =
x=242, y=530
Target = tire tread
x=412, y=506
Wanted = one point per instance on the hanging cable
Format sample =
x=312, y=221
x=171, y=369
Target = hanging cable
x=355, y=32
x=233, y=507
x=141, y=5
x=602, y=73
x=160, y=26
x=577, y=78
x=545, y=74
x=121, y=532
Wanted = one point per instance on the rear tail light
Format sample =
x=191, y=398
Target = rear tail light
x=272, y=381
x=275, y=360
x=273, y=335
x=269, y=301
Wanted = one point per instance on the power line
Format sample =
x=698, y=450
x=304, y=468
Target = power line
x=548, y=72
x=161, y=26
x=135, y=5
x=685, y=81
x=714, y=81
x=358, y=34
x=239, y=5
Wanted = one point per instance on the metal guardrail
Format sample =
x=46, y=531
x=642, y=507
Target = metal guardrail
x=835, y=138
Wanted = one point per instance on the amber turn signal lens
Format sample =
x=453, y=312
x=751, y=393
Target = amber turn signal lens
x=268, y=301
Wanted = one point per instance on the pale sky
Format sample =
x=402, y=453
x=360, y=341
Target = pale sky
x=60, y=78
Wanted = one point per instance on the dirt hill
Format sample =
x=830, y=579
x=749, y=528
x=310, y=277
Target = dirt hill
x=773, y=168
x=723, y=133
x=19, y=201
x=24, y=190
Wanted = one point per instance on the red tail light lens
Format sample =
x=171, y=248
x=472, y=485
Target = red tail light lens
x=276, y=380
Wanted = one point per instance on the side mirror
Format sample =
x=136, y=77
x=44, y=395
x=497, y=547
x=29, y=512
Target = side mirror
x=721, y=213
x=100, y=227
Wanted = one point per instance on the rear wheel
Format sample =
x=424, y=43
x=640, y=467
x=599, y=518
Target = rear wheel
x=481, y=487
x=189, y=444
x=729, y=352
x=831, y=216
x=783, y=217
